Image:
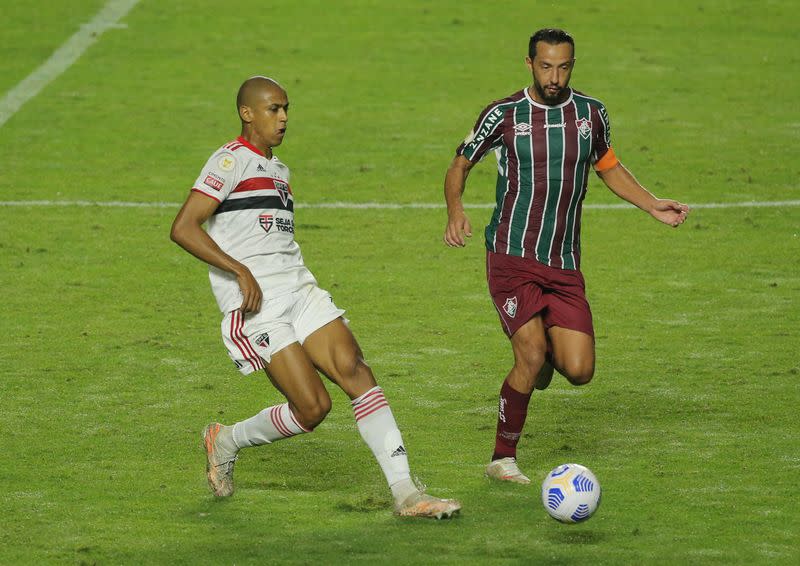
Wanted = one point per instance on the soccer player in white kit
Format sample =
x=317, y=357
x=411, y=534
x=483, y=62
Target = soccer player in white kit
x=276, y=318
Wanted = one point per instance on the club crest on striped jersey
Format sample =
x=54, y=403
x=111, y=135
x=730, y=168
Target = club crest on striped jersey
x=283, y=190
x=266, y=221
x=511, y=307
x=522, y=129
x=584, y=127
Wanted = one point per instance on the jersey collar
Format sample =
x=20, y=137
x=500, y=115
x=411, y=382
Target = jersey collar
x=250, y=146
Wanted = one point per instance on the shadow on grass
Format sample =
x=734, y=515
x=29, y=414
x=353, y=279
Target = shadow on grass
x=364, y=505
x=569, y=536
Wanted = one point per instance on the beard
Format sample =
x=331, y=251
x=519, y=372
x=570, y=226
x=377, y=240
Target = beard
x=550, y=98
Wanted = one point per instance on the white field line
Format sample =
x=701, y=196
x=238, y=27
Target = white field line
x=382, y=205
x=63, y=57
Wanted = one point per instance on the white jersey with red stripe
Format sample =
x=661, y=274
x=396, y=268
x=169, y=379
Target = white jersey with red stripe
x=254, y=222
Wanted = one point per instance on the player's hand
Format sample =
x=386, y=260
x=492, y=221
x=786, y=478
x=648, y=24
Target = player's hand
x=670, y=212
x=458, y=226
x=251, y=291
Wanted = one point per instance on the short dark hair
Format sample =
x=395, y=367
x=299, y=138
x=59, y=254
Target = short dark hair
x=553, y=36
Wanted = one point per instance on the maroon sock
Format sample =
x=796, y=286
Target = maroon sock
x=510, y=420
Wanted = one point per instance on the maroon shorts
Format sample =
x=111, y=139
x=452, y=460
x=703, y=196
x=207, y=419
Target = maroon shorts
x=522, y=287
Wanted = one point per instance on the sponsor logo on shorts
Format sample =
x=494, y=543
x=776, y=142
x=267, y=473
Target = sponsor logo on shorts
x=511, y=307
x=263, y=340
x=214, y=181
x=584, y=127
x=400, y=451
x=266, y=221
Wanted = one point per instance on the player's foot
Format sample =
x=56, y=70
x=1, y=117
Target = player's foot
x=219, y=462
x=420, y=504
x=505, y=469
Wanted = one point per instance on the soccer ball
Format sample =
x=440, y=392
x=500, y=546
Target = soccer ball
x=571, y=493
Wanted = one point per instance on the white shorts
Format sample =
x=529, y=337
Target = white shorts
x=253, y=339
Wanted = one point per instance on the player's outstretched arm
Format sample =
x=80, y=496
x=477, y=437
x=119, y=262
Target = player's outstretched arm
x=188, y=233
x=625, y=186
x=458, y=224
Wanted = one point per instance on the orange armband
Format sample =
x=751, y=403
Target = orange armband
x=608, y=161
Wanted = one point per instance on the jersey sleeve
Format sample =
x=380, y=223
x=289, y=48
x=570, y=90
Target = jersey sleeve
x=219, y=176
x=486, y=135
x=603, y=157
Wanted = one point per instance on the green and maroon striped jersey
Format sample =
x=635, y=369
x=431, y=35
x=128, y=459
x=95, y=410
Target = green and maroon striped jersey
x=543, y=157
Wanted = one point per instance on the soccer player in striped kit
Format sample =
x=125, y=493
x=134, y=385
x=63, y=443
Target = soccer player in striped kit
x=545, y=138
x=275, y=317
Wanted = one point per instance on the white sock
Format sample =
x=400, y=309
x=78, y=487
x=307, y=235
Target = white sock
x=271, y=424
x=379, y=430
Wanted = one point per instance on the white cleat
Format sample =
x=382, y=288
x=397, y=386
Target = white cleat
x=422, y=505
x=505, y=469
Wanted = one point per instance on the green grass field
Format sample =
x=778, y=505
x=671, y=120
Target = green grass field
x=112, y=361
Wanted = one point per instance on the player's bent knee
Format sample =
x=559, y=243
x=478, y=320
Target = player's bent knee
x=579, y=374
x=352, y=369
x=345, y=365
x=311, y=414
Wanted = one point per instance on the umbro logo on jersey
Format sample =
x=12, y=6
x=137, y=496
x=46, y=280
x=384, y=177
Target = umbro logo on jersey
x=522, y=129
x=261, y=169
x=399, y=452
x=584, y=127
